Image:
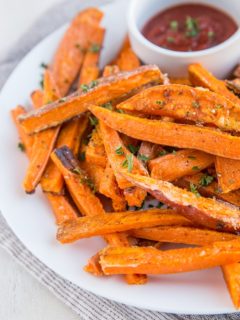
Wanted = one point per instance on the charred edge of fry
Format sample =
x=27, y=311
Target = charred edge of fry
x=66, y=157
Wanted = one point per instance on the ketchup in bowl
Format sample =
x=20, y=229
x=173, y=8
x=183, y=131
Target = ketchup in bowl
x=189, y=27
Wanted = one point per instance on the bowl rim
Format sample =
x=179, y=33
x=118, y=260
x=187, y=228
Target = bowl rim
x=132, y=26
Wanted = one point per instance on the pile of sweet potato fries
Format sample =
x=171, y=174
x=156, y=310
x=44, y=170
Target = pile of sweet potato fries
x=128, y=133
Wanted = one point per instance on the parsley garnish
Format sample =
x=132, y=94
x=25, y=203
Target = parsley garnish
x=191, y=27
x=82, y=156
x=41, y=83
x=160, y=204
x=195, y=104
x=84, y=88
x=93, y=84
x=95, y=48
x=170, y=39
x=163, y=153
x=89, y=183
x=211, y=34
x=62, y=100
x=161, y=103
x=130, y=162
x=125, y=163
x=195, y=168
x=174, y=25
x=21, y=147
x=193, y=189
x=143, y=158
x=107, y=105
x=206, y=180
x=93, y=120
x=120, y=111
x=119, y=151
x=43, y=65
x=133, y=149
x=76, y=171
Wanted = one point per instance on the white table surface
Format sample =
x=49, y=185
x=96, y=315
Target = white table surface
x=21, y=296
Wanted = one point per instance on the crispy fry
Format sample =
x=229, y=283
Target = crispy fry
x=199, y=76
x=148, y=151
x=95, y=152
x=79, y=185
x=121, y=158
x=171, y=134
x=127, y=59
x=231, y=274
x=37, y=98
x=26, y=140
x=153, y=261
x=70, y=53
x=211, y=190
x=90, y=69
x=228, y=170
x=184, y=81
x=176, y=165
x=108, y=186
x=180, y=234
x=228, y=173
x=88, y=204
x=77, y=103
x=82, y=127
x=94, y=172
x=113, y=222
x=52, y=179
x=186, y=103
x=43, y=142
x=61, y=208
x=203, y=211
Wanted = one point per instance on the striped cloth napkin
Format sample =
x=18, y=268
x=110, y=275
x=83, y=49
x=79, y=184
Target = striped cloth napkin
x=87, y=305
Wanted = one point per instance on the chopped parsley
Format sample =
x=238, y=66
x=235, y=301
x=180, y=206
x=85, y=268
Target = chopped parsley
x=62, y=100
x=133, y=149
x=161, y=103
x=107, y=105
x=120, y=111
x=119, y=151
x=160, y=205
x=193, y=189
x=82, y=156
x=211, y=34
x=93, y=84
x=191, y=27
x=95, y=48
x=21, y=147
x=128, y=162
x=170, y=39
x=93, y=120
x=143, y=158
x=174, y=25
x=206, y=180
x=43, y=65
x=76, y=171
x=87, y=181
x=195, y=104
x=41, y=83
x=84, y=88
x=163, y=153
x=195, y=168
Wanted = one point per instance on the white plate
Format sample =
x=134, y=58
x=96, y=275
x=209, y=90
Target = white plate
x=30, y=217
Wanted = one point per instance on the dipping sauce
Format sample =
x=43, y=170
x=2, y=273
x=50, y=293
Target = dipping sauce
x=189, y=27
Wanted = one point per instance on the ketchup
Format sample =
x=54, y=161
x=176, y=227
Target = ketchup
x=189, y=27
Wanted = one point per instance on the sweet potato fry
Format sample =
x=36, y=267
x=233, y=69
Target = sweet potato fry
x=37, y=98
x=186, y=103
x=70, y=53
x=177, y=135
x=80, y=186
x=176, y=165
x=184, y=81
x=52, y=179
x=61, y=208
x=113, y=222
x=43, y=142
x=228, y=173
x=127, y=59
x=228, y=170
x=94, y=172
x=90, y=69
x=108, y=187
x=199, y=76
x=148, y=151
x=199, y=182
x=121, y=158
x=180, y=234
x=106, y=89
x=149, y=260
x=82, y=127
x=25, y=139
x=203, y=211
x=231, y=274
x=95, y=152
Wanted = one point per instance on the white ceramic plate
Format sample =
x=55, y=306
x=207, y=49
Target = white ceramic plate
x=30, y=217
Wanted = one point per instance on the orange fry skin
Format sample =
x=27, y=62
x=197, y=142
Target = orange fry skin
x=203, y=211
x=150, y=260
x=231, y=274
x=184, y=162
x=106, y=89
x=177, y=135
